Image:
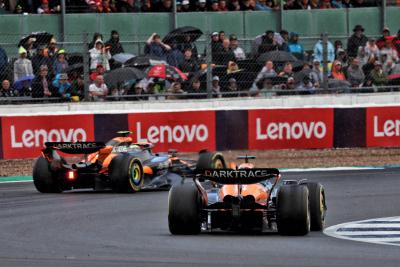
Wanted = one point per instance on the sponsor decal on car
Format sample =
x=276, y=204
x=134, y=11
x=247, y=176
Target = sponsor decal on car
x=24, y=137
x=383, y=126
x=290, y=128
x=184, y=131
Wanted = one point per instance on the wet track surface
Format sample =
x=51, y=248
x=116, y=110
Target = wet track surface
x=105, y=229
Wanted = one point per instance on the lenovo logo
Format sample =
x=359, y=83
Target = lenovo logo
x=296, y=130
x=387, y=128
x=37, y=137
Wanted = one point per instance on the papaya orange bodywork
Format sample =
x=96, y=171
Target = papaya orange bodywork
x=258, y=191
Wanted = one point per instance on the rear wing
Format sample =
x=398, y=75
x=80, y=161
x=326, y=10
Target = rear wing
x=239, y=176
x=75, y=148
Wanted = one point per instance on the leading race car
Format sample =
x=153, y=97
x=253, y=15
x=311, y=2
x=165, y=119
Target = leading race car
x=119, y=164
x=244, y=198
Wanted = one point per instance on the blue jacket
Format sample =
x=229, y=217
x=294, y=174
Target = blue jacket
x=318, y=51
x=62, y=89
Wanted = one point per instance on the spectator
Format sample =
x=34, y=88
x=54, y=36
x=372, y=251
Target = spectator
x=6, y=89
x=114, y=45
x=232, y=90
x=96, y=36
x=155, y=47
x=215, y=87
x=221, y=36
x=318, y=51
x=267, y=88
x=355, y=76
x=362, y=56
x=342, y=57
x=372, y=48
x=62, y=86
x=382, y=40
x=341, y=4
x=201, y=6
x=369, y=66
x=266, y=72
x=146, y=6
x=222, y=5
x=317, y=74
x=98, y=90
x=234, y=5
x=22, y=66
x=195, y=88
x=356, y=40
x=338, y=45
x=41, y=85
x=288, y=88
x=18, y=10
x=248, y=5
x=189, y=65
x=3, y=63
x=378, y=77
x=337, y=71
x=306, y=86
x=52, y=48
x=234, y=45
x=262, y=5
x=287, y=70
x=100, y=70
x=390, y=68
x=127, y=6
x=187, y=43
x=41, y=58
x=138, y=92
x=99, y=55
x=185, y=6
x=268, y=43
x=44, y=8
x=289, y=5
x=176, y=91
x=216, y=45
x=164, y=6
x=78, y=89
x=325, y=4
x=294, y=47
x=214, y=6
x=232, y=67
x=61, y=63
x=174, y=56
x=396, y=42
x=106, y=7
x=225, y=54
x=283, y=46
x=390, y=52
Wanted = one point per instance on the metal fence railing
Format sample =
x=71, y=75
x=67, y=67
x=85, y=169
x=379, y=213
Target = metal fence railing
x=189, y=64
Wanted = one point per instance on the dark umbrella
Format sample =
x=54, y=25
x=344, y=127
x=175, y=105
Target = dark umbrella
x=166, y=72
x=78, y=67
x=42, y=38
x=299, y=76
x=144, y=61
x=117, y=76
x=276, y=56
x=122, y=57
x=179, y=35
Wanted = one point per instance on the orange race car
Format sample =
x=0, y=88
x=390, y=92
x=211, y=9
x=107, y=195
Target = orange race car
x=119, y=164
x=244, y=198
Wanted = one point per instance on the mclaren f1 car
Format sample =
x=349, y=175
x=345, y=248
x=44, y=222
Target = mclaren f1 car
x=244, y=198
x=119, y=164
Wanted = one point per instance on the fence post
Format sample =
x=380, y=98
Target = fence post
x=85, y=53
x=209, y=67
x=325, y=60
x=63, y=11
x=383, y=14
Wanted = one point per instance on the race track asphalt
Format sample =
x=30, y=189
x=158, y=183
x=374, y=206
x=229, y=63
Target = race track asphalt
x=106, y=229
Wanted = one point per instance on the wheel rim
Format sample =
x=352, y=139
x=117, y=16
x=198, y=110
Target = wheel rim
x=218, y=164
x=322, y=205
x=135, y=177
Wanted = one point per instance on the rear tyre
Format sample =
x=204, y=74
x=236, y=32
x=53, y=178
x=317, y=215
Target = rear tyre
x=126, y=174
x=184, y=208
x=293, y=214
x=316, y=197
x=209, y=160
x=43, y=178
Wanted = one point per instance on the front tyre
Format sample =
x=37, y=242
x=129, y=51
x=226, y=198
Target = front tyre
x=184, y=208
x=126, y=174
x=209, y=160
x=43, y=178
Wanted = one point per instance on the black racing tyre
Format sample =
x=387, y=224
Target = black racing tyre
x=126, y=174
x=210, y=160
x=316, y=197
x=293, y=213
x=184, y=208
x=43, y=178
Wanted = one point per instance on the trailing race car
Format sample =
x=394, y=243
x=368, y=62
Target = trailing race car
x=244, y=198
x=119, y=164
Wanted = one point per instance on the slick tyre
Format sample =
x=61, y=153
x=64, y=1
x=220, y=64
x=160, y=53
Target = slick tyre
x=293, y=213
x=209, y=160
x=184, y=208
x=43, y=178
x=126, y=174
x=316, y=198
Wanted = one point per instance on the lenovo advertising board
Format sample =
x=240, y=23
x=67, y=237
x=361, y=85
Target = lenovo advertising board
x=383, y=126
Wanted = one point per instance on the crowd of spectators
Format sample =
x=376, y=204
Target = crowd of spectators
x=45, y=71
x=127, y=6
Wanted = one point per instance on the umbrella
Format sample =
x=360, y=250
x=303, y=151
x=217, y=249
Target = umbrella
x=144, y=61
x=179, y=34
x=276, y=56
x=299, y=76
x=78, y=67
x=163, y=71
x=122, y=57
x=19, y=84
x=117, y=76
x=42, y=38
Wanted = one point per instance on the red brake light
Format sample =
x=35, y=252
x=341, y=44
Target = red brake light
x=71, y=175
